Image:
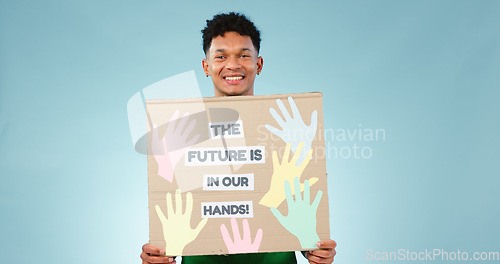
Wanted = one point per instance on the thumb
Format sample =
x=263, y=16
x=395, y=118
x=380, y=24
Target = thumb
x=200, y=226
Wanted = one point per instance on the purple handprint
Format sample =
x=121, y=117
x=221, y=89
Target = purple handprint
x=241, y=245
x=170, y=148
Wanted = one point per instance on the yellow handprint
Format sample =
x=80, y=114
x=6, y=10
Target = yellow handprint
x=286, y=171
x=177, y=230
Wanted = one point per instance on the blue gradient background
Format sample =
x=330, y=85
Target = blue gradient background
x=427, y=72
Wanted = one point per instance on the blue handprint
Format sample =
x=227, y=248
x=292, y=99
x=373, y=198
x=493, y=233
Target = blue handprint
x=294, y=130
x=301, y=218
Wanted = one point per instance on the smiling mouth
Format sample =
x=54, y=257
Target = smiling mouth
x=233, y=78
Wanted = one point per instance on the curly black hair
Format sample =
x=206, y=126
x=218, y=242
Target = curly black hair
x=222, y=23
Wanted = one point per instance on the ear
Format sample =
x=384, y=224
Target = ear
x=260, y=64
x=204, y=64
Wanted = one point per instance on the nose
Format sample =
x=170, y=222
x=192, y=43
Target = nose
x=232, y=63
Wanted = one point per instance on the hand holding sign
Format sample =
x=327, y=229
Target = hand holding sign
x=241, y=245
x=170, y=148
x=176, y=225
x=284, y=172
x=294, y=130
x=301, y=218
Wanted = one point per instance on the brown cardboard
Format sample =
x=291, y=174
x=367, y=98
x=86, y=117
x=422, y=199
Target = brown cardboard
x=254, y=113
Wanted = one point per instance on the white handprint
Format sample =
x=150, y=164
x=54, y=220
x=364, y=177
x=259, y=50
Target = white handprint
x=294, y=130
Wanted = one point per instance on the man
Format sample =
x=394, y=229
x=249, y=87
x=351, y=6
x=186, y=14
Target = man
x=231, y=43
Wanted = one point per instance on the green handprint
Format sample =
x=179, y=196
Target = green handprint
x=301, y=218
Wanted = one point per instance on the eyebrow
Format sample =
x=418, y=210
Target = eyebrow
x=223, y=50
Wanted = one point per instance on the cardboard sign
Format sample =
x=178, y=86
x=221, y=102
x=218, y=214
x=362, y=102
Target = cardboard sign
x=237, y=174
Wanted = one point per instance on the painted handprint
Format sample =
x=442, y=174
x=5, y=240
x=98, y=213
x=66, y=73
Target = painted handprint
x=294, y=130
x=284, y=172
x=241, y=245
x=177, y=230
x=301, y=218
x=170, y=148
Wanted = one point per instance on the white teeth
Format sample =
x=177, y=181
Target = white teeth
x=234, y=78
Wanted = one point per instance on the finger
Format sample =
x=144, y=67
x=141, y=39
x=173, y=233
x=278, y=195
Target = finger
x=321, y=253
x=276, y=163
x=189, y=205
x=190, y=128
x=307, y=192
x=225, y=235
x=246, y=231
x=306, y=161
x=170, y=206
x=236, y=230
x=178, y=202
x=288, y=195
x=278, y=215
x=295, y=110
x=312, y=262
x=286, y=154
x=145, y=257
x=171, y=123
x=193, y=141
x=312, y=181
x=296, y=186
x=297, y=153
x=277, y=117
x=274, y=130
x=200, y=225
x=182, y=123
x=160, y=214
x=152, y=250
x=258, y=239
x=282, y=107
x=315, y=259
x=317, y=200
x=156, y=259
x=314, y=120
x=327, y=244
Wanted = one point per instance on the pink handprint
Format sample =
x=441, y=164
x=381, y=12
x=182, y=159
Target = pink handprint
x=170, y=148
x=240, y=245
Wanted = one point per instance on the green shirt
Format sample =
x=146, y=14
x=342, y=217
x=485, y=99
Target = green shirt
x=274, y=258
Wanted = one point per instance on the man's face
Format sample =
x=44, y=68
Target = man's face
x=232, y=62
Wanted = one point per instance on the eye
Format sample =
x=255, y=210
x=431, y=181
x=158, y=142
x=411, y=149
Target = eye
x=245, y=56
x=219, y=57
